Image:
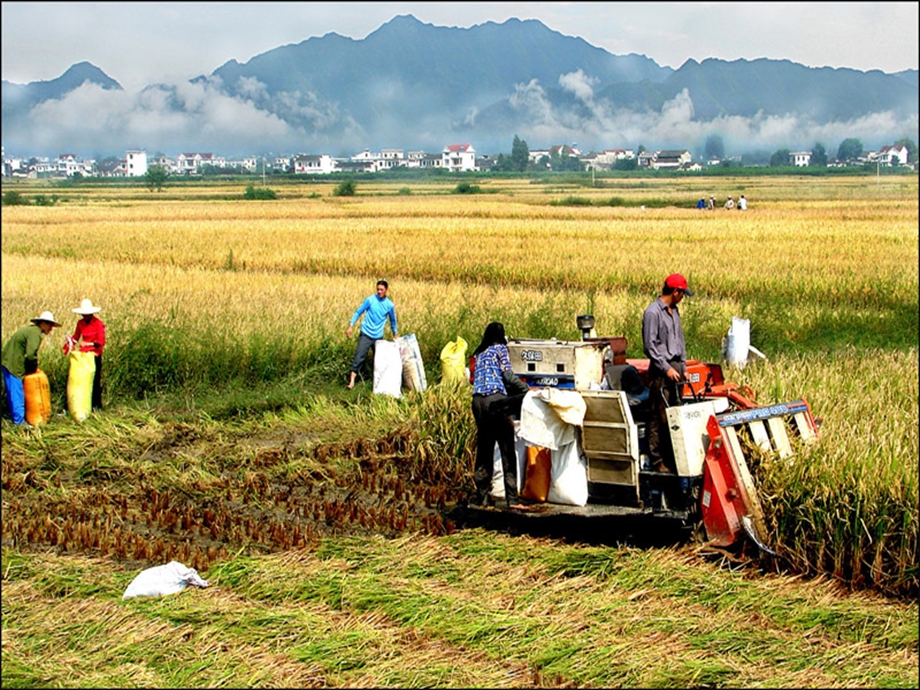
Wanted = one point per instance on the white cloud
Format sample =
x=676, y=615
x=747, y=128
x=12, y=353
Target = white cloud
x=579, y=84
x=182, y=117
x=674, y=126
x=188, y=117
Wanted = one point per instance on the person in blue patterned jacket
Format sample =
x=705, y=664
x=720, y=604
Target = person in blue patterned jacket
x=493, y=425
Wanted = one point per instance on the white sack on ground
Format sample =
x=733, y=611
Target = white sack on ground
x=163, y=579
x=388, y=369
x=568, y=477
x=498, y=472
x=414, y=377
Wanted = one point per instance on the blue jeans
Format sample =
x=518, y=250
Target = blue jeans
x=15, y=397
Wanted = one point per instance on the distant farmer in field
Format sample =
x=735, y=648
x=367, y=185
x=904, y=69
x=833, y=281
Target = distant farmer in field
x=376, y=309
x=729, y=204
x=701, y=204
x=89, y=336
x=20, y=358
x=742, y=203
x=663, y=344
x=712, y=203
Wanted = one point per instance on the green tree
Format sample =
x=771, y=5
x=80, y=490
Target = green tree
x=561, y=159
x=503, y=163
x=715, y=147
x=779, y=158
x=850, y=149
x=14, y=198
x=911, y=148
x=818, y=156
x=520, y=154
x=155, y=177
x=259, y=193
x=346, y=188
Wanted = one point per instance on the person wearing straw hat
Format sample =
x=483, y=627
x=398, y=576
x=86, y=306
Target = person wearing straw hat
x=89, y=336
x=20, y=358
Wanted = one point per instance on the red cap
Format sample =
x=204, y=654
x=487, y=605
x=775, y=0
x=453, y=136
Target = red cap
x=677, y=281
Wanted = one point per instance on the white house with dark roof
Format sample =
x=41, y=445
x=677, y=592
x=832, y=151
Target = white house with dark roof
x=672, y=159
x=893, y=155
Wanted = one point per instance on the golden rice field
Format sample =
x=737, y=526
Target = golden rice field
x=208, y=297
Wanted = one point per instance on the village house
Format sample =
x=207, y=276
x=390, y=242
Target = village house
x=135, y=163
x=607, y=158
x=893, y=155
x=193, y=163
x=315, y=165
x=800, y=159
x=672, y=159
x=458, y=157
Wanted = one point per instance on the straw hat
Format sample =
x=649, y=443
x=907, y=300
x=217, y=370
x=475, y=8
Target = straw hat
x=46, y=316
x=86, y=307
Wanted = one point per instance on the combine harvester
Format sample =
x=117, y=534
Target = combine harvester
x=717, y=433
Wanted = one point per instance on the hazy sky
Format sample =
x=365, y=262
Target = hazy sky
x=140, y=43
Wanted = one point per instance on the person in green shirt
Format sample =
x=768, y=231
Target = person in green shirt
x=20, y=358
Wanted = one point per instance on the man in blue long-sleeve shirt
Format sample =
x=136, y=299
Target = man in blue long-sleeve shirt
x=376, y=310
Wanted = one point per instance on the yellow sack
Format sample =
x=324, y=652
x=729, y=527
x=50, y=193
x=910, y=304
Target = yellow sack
x=80, y=384
x=453, y=358
x=38, y=397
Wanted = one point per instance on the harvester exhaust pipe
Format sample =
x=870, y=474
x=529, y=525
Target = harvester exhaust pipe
x=585, y=324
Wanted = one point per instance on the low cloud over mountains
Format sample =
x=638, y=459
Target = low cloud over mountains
x=415, y=86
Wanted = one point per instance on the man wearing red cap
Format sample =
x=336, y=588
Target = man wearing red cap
x=663, y=343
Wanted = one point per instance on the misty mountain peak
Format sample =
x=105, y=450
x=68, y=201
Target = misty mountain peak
x=81, y=72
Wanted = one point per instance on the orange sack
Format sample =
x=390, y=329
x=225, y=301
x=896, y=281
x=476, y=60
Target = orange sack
x=37, y=393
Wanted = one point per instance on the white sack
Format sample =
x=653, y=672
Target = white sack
x=388, y=370
x=413, y=367
x=163, y=579
x=737, y=343
x=549, y=417
x=568, y=477
x=498, y=472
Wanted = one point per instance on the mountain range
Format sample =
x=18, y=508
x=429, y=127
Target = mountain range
x=417, y=86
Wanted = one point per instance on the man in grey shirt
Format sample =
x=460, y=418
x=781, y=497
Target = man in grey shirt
x=663, y=344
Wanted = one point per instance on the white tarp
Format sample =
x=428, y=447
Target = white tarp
x=163, y=579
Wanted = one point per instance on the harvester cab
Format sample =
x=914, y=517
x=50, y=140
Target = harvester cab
x=717, y=434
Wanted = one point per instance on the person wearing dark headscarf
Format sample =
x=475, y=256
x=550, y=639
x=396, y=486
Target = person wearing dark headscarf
x=493, y=424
